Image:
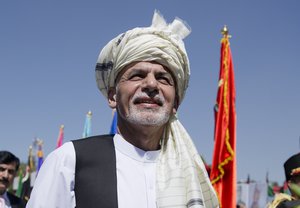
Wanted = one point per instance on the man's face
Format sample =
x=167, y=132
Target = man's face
x=296, y=180
x=7, y=174
x=145, y=94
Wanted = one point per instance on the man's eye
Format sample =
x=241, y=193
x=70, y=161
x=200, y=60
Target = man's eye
x=136, y=77
x=12, y=172
x=164, y=80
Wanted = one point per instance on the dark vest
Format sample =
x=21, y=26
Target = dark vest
x=15, y=201
x=95, y=172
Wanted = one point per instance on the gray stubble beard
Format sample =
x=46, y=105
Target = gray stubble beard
x=148, y=117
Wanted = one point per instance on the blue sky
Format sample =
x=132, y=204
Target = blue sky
x=48, y=51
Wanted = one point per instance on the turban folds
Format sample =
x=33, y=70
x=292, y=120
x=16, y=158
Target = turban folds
x=161, y=43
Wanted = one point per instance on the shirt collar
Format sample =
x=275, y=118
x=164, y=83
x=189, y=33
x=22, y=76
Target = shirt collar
x=134, y=152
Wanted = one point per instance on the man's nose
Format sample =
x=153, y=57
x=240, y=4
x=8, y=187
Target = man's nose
x=150, y=84
x=150, y=81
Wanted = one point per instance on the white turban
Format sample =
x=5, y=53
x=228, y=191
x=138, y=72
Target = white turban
x=161, y=42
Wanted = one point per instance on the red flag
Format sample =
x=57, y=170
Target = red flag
x=223, y=170
x=60, y=137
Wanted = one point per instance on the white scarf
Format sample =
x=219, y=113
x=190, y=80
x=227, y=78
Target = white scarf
x=182, y=180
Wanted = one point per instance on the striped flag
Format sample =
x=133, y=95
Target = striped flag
x=223, y=170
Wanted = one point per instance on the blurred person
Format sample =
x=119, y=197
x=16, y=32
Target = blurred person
x=256, y=196
x=241, y=204
x=9, y=165
x=151, y=161
x=292, y=174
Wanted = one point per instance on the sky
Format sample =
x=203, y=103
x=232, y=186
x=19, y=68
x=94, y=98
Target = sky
x=48, y=52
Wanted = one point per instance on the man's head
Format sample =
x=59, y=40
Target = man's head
x=160, y=43
x=292, y=174
x=144, y=94
x=9, y=165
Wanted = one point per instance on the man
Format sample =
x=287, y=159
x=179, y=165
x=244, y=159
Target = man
x=9, y=165
x=292, y=174
x=151, y=161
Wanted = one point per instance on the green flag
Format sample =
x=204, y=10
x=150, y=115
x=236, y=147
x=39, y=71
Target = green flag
x=20, y=184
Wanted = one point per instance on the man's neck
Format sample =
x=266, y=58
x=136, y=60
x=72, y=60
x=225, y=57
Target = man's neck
x=146, y=138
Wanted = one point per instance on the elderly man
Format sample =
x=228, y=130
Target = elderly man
x=151, y=161
x=9, y=165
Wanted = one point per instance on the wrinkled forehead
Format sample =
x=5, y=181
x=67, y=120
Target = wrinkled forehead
x=128, y=67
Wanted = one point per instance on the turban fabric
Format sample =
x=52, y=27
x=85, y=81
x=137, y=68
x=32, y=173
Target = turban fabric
x=160, y=42
x=181, y=177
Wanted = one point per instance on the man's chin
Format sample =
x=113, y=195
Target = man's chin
x=149, y=120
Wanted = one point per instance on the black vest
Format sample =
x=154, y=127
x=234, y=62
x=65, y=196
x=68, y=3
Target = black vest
x=95, y=172
x=15, y=201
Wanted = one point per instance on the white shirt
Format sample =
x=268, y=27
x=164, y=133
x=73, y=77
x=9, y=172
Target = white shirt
x=136, y=177
x=6, y=200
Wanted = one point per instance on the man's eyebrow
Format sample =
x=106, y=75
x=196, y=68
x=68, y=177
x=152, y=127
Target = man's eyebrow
x=165, y=73
x=136, y=71
x=133, y=70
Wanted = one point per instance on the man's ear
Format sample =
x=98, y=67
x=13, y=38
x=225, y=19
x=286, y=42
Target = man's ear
x=112, y=102
x=174, y=110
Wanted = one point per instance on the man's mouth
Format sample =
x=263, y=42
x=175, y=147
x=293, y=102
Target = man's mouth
x=148, y=101
x=4, y=182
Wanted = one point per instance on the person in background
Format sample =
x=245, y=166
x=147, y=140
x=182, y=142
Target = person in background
x=9, y=165
x=151, y=161
x=292, y=174
x=241, y=205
